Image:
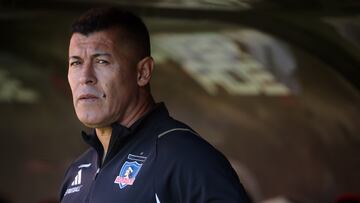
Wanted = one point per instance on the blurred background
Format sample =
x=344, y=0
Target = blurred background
x=273, y=84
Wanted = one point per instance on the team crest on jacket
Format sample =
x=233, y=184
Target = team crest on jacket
x=128, y=173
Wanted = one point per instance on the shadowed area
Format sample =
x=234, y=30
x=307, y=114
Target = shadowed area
x=277, y=94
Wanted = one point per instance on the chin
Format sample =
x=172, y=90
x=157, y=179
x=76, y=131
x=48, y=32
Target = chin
x=91, y=121
x=90, y=125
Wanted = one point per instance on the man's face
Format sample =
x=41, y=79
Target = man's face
x=102, y=78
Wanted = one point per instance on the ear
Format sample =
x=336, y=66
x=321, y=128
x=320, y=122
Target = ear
x=144, y=71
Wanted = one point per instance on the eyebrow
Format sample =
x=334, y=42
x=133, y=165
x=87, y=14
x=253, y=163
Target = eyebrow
x=93, y=56
x=74, y=57
x=101, y=54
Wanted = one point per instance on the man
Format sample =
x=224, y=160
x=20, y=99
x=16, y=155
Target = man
x=138, y=153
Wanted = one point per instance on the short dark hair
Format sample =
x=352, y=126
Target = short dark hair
x=99, y=19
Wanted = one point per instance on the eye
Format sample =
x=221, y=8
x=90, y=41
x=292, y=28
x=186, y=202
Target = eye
x=75, y=63
x=101, y=61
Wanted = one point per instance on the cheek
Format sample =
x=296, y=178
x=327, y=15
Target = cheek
x=116, y=97
x=112, y=84
x=72, y=80
x=112, y=96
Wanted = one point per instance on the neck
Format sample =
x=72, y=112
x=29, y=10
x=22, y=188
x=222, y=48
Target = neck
x=104, y=133
x=137, y=112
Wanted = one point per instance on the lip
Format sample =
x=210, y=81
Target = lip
x=87, y=97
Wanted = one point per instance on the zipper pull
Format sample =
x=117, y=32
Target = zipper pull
x=96, y=173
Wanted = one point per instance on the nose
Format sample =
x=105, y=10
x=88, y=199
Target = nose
x=88, y=76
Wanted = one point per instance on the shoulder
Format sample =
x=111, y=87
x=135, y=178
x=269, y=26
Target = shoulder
x=184, y=150
x=196, y=169
x=183, y=145
x=179, y=139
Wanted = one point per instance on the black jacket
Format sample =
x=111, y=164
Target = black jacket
x=157, y=159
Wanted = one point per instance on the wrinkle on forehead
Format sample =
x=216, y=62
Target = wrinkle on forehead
x=112, y=41
x=98, y=42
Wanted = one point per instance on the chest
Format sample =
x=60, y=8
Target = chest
x=127, y=179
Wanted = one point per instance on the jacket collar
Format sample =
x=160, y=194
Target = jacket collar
x=121, y=134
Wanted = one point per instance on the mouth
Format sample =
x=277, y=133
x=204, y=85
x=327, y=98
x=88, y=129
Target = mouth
x=87, y=97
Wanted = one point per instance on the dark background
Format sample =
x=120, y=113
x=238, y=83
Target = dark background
x=303, y=145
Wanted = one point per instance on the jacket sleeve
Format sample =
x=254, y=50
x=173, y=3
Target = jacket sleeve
x=190, y=170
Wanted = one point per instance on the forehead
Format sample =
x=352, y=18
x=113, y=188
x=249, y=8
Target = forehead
x=98, y=41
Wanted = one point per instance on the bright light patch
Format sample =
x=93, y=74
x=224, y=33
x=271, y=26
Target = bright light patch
x=214, y=60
